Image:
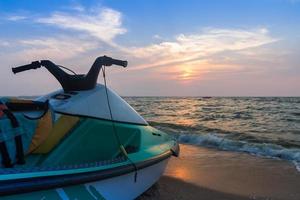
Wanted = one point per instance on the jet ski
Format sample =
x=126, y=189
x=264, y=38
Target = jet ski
x=80, y=142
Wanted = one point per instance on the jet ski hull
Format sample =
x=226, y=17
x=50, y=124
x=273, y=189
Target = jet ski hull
x=96, y=157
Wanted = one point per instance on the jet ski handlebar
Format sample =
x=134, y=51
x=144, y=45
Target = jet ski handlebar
x=33, y=65
x=73, y=82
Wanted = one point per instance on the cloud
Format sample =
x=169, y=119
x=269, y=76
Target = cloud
x=190, y=47
x=4, y=43
x=185, y=57
x=16, y=17
x=103, y=23
x=157, y=36
x=188, y=56
x=58, y=48
x=95, y=30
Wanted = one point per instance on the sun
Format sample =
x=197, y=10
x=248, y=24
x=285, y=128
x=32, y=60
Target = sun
x=186, y=74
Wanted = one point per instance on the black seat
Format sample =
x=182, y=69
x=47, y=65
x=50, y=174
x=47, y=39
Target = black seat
x=21, y=105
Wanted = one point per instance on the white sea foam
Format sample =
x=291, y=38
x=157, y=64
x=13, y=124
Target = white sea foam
x=297, y=164
x=261, y=149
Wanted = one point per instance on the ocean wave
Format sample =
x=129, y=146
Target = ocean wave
x=260, y=149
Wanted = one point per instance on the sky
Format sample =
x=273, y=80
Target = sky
x=173, y=47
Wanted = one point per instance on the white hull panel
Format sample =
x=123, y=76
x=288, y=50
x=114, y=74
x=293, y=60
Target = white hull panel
x=124, y=188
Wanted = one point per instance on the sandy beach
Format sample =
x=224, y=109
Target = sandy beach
x=202, y=173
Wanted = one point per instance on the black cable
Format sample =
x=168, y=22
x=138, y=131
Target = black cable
x=67, y=69
x=114, y=127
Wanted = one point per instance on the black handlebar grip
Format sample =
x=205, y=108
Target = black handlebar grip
x=108, y=61
x=33, y=65
x=122, y=63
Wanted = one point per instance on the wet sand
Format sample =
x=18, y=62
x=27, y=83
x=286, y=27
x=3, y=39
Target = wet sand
x=202, y=173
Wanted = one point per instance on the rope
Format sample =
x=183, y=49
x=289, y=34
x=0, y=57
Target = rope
x=115, y=129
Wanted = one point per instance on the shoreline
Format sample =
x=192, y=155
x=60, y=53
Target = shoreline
x=203, y=173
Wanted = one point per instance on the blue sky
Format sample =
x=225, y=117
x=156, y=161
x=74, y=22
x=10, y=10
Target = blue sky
x=181, y=48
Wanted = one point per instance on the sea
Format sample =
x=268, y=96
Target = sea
x=261, y=126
